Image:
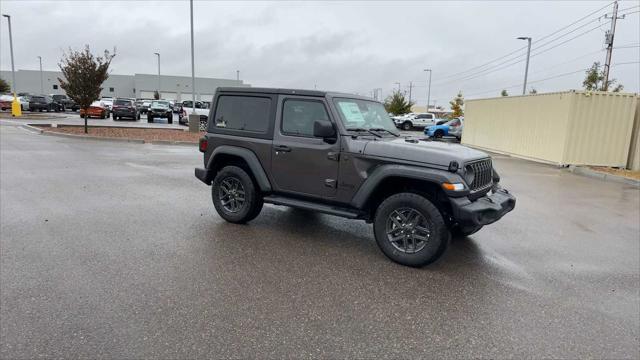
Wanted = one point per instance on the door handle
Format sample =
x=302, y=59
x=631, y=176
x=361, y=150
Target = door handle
x=282, y=148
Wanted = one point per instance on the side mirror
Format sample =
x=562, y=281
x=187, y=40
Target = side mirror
x=323, y=129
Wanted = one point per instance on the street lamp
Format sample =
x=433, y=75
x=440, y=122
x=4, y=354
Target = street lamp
x=193, y=71
x=13, y=70
x=526, y=69
x=428, y=89
x=158, y=72
x=397, y=83
x=41, y=83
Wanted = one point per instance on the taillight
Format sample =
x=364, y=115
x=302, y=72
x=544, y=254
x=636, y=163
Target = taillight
x=203, y=144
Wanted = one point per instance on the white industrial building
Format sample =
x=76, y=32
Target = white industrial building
x=137, y=85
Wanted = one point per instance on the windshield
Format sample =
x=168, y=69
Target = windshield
x=160, y=104
x=364, y=114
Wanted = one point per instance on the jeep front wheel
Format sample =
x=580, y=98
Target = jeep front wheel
x=410, y=230
x=407, y=125
x=234, y=195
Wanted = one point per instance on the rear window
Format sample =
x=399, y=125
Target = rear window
x=246, y=113
x=37, y=98
x=122, y=102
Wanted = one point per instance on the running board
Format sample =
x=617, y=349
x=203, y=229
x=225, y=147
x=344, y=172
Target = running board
x=308, y=205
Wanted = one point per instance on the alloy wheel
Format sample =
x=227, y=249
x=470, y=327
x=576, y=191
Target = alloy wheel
x=231, y=195
x=408, y=230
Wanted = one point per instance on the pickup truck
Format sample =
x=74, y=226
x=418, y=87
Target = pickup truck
x=187, y=109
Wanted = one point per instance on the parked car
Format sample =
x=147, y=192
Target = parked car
x=341, y=154
x=125, y=108
x=43, y=103
x=415, y=120
x=144, y=105
x=452, y=127
x=65, y=102
x=107, y=101
x=159, y=109
x=187, y=109
x=6, y=101
x=97, y=109
x=177, y=107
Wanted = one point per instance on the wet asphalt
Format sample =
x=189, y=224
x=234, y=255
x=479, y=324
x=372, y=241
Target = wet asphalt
x=114, y=250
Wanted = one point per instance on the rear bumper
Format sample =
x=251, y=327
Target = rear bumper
x=485, y=210
x=203, y=175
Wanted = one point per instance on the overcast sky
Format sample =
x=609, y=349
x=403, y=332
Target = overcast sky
x=352, y=46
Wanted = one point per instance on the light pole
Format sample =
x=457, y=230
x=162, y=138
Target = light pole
x=13, y=70
x=397, y=83
x=526, y=69
x=41, y=82
x=238, y=75
x=193, y=71
x=428, y=89
x=158, y=72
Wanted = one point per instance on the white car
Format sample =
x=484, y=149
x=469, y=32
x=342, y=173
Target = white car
x=6, y=100
x=412, y=120
x=187, y=109
x=107, y=101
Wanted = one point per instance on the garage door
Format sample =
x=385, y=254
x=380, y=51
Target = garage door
x=168, y=95
x=146, y=94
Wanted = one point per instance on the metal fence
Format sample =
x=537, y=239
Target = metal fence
x=565, y=128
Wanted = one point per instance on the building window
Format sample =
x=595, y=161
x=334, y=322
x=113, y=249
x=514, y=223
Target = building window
x=55, y=87
x=110, y=89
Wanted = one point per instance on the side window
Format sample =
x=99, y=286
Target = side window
x=428, y=116
x=298, y=116
x=248, y=113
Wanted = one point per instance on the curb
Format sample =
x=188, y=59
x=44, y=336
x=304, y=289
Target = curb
x=584, y=171
x=102, y=138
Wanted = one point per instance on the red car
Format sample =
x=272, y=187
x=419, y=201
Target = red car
x=97, y=109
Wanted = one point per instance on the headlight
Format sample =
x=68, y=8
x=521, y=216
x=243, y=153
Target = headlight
x=469, y=174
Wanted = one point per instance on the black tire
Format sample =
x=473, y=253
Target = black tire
x=425, y=252
x=149, y=119
x=407, y=125
x=251, y=205
x=438, y=134
x=115, y=117
x=464, y=231
x=170, y=119
x=137, y=117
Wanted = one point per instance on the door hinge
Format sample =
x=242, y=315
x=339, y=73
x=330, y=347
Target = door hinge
x=330, y=183
x=333, y=156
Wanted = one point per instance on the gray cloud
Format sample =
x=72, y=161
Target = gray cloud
x=344, y=46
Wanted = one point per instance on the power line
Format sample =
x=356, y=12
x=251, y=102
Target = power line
x=524, y=47
x=483, y=73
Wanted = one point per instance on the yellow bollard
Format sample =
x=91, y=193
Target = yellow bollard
x=16, y=109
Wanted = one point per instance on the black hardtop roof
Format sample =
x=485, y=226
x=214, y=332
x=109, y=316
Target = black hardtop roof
x=290, y=92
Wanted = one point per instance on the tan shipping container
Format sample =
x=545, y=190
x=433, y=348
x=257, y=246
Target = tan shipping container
x=564, y=128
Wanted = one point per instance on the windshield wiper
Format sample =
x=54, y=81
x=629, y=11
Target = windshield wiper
x=357, y=129
x=383, y=129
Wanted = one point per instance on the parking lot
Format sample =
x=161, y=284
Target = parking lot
x=113, y=250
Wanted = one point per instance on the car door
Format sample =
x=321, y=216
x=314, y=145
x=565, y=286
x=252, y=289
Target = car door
x=301, y=163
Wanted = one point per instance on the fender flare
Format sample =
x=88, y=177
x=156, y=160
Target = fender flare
x=403, y=171
x=249, y=157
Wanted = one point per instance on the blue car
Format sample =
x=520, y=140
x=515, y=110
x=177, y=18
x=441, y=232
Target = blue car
x=452, y=127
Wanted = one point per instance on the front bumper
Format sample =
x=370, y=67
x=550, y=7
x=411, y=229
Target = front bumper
x=485, y=210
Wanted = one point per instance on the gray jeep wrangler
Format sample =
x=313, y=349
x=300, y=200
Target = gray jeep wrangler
x=342, y=155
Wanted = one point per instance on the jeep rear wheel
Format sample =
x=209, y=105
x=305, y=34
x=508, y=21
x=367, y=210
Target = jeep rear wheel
x=410, y=230
x=235, y=196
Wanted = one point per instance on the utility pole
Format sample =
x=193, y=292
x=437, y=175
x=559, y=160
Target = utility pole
x=13, y=70
x=238, y=75
x=609, y=41
x=41, y=82
x=158, y=72
x=410, y=89
x=397, y=83
x=428, y=90
x=526, y=69
x=193, y=71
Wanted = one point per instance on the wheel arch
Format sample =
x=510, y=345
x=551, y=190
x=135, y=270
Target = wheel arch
x=226, y=155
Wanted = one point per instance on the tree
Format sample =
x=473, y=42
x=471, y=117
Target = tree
x=4, y=86
x=504, y=93
x=83, y=76
x=533, y=91
x=397, y=104
x=594, y=80
x=456, y=105
x=156, y=95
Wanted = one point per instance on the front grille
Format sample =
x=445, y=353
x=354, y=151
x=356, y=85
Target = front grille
x=482, y=174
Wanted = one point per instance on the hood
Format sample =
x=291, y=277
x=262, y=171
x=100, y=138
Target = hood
x=428, y=152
